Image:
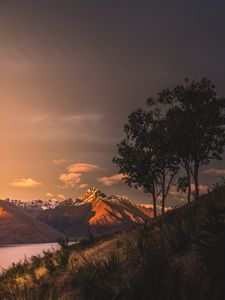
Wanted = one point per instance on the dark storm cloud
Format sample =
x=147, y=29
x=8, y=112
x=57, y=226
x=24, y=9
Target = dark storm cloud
x=65, y=60
x=106, y=55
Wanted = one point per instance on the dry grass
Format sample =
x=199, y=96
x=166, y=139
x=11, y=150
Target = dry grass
x=179, y=256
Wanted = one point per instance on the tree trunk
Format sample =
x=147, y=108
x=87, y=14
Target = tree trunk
x=189, y=194
x=196, y=182
x=189, y=186
x=163, y=191
x=163, y=205
x=154, y=205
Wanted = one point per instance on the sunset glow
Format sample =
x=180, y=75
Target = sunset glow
x=66, y=90
x=112, y=150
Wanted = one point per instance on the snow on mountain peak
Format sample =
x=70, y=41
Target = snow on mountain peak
x=36, y=204
x=92, y=194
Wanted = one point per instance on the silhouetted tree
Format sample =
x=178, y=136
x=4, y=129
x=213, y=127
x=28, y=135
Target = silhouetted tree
x=146, y=155
x=198, y=119
x=177, y=122
x=182, y=127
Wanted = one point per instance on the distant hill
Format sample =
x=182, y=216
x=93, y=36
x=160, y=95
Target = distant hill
x=17, y=226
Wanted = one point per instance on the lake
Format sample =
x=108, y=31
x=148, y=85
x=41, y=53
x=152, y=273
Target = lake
x=14, y=253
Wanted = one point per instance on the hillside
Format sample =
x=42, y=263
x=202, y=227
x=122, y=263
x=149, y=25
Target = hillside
x=17, y=226
x=177, y=256
x=94, y=213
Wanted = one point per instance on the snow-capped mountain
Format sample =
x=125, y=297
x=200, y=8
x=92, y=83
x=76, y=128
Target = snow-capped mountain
x=36, y=204
x=92, y=212
x=91, y=195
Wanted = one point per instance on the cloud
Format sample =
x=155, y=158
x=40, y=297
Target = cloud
x=173, y=192
x=214, y=172
x=179, y=194
x=58, y=161
x=49, y=195
x=68, y=119
x=82, y=168
x=81, y=118
x=108, y=181
x=83, y=185
x=74, y=172
x=26, y=183
x=202, y=188
x=61, y=196
x=70, y=180
x=86, y=127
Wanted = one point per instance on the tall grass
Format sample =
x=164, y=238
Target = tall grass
x=179, y=256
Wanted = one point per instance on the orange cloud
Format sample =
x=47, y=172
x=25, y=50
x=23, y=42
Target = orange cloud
x=108, y=181
x=26, y=183
x=83, y=185
x=58, y=161
x=202, y=188
x=82, y=168
x=173, y=192
x=70, y=180
x=61, y=196
x=179, y=194
x=49, y=195
x=214, y=172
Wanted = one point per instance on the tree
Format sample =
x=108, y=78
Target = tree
x=178, y=123
x=146, y=155
x=198, y=118
x=183, y=127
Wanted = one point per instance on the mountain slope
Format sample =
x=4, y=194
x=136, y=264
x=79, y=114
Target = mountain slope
x=17, y=226
x=94, y=213
x=178, y=256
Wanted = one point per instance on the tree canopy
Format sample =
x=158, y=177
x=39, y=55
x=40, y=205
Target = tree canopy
x=197, y=115
x=145, y=155
x=179, y=131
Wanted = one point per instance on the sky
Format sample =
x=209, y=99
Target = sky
x=72, y=71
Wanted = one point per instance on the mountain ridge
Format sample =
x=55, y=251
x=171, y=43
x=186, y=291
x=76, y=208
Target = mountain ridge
x=96, y=213
x=92, y=213
x=18, y=227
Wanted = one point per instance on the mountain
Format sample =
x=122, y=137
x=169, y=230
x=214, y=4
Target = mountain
x=178, y=256
x=35, y=206
x=94, y=213
x=17, y=226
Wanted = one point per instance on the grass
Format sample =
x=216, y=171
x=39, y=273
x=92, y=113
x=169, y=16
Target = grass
x=177, y=256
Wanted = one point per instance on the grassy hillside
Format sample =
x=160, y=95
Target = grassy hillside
x=17, y=226
x=178, y=256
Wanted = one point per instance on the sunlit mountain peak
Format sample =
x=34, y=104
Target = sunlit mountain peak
x=92, y=194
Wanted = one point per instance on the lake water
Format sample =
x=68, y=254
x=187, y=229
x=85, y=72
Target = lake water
x=14, y=253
